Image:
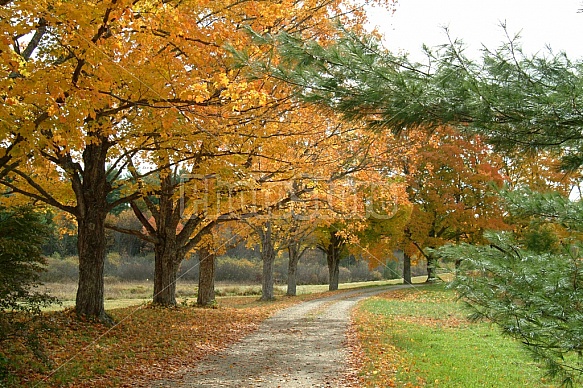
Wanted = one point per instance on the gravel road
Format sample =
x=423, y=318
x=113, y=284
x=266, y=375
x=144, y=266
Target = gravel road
x=301, y=346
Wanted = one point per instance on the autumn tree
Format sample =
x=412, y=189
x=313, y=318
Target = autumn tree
x=268, y=253
x=62, y=137
x=382, y=235
x=333, y=244
x=187, y=201
x=539, y=171
x=285, y=222
x=277, y=231
x=367, y=221
x=207, y=255
x=100, y=108
x=452, y=182
x=373, y=235
x=240, y=130
x=299, y=238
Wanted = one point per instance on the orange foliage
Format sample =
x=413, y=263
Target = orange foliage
x=452, y=180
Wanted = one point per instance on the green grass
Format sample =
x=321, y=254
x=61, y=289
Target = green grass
x=436, y=346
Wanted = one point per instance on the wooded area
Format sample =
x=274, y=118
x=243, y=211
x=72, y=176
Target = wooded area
x=181, y=129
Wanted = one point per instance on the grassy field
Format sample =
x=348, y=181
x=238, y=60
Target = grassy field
x=124, y=294
x=420, y=337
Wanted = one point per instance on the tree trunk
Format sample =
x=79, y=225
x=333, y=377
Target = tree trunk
x=206, y=277
x=333, y=272
x=333, y=259
x=268, y=257
x=458, y=264
x=166, y=265
x=431, y=270
x=91, y=193
x=168, y=252
x=406, y=269
x=91, y=248
x=294, y=257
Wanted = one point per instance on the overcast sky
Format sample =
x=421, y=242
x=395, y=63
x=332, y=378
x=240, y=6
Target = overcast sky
x=556, y=23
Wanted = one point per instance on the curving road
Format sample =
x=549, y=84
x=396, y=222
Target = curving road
x=301, y=346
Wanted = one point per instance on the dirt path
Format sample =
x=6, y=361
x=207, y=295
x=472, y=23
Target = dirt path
x=301, y=346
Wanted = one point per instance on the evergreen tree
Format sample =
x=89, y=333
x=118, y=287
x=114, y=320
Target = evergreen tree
x=516, y=100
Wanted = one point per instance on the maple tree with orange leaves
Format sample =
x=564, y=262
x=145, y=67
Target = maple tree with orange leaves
x=452, y=182
x=90, y=87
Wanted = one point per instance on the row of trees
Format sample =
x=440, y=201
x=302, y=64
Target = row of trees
x=114, y=102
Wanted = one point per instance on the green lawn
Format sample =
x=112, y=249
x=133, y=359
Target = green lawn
x=420, y=337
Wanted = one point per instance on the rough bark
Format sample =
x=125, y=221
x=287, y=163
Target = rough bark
x=166, y=264
x=406, y=269
x=91, y=248
x=268, y=258
x=206, y=278
x=333, y=272
x=431, y=270
x=92, y=208
x=333, y=258
x=294, y=255
x=172, y=237
x=168, y=252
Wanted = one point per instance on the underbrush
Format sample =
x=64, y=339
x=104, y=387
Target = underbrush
x=419, y=337
x=125, y=268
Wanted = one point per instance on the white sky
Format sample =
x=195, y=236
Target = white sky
x=556, y=23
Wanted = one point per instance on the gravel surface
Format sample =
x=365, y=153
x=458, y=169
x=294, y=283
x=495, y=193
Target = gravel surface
x=301, y=346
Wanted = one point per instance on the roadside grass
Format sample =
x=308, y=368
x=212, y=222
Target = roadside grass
x=420, y=337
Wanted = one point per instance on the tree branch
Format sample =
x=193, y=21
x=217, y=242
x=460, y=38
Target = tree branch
x=133, y=232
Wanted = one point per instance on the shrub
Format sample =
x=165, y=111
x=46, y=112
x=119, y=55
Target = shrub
x=391, y=270
x=307, y=273
x=344, y=275
x=238, y=270
x=375, y=275
x=135, y=268
x=59, y=269
x=22, y=233
x=360, y=272
x=323, y=274
x=189, y=269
